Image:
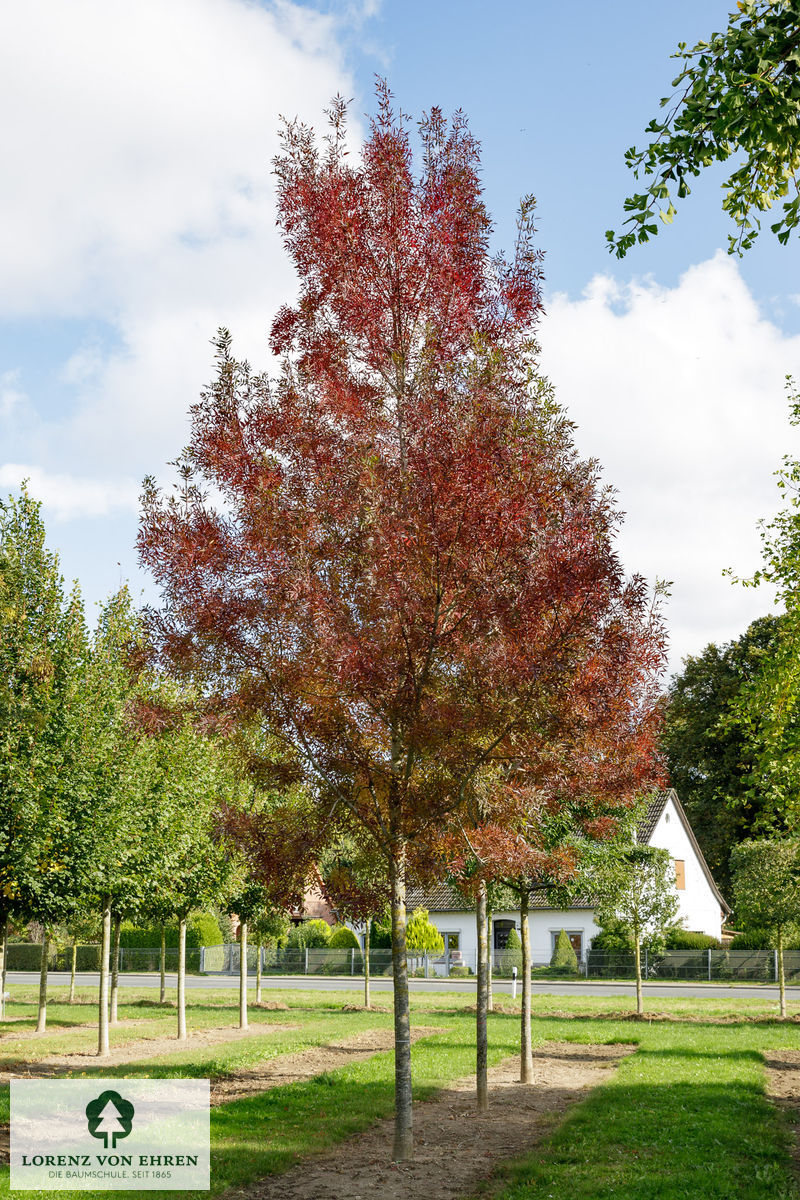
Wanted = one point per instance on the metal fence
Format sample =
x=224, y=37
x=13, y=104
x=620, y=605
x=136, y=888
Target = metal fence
x=757, y=966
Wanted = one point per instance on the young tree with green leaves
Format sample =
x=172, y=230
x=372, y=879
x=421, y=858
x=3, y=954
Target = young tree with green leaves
x=708, y=755
x=635, y=886
x=42, y=652
x=250, y=902
x=768, y=706
x=737, y=96
x=766, y=889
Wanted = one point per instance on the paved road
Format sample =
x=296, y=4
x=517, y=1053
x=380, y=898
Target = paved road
x=328, y=984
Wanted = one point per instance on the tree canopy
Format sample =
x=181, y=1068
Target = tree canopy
x=409, y=573
x=708, y=754
x=737, y=96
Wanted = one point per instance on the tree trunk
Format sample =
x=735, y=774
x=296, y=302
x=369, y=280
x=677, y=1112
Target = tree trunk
x=243, y=975
x=117, y=923
x=41, y=1024
x=482, y=1005
x=73, y=965
x=490, y=944
x=3, y=958
x=637, y=953
x=403, y=1119
x=105, y=946
x=525, y=1051
x=367, y=1000
x=258, y=969
x=781, y=976
x=182, y=979
x=162, y=967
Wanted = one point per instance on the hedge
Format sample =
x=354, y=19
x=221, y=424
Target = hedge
x=202, y=929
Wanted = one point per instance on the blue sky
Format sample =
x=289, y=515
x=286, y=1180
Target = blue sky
x=138, y=218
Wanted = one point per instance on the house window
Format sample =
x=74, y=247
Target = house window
x=575, y=940
x=680, y=874
x=451, y=940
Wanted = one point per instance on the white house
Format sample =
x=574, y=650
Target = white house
x=665, y=825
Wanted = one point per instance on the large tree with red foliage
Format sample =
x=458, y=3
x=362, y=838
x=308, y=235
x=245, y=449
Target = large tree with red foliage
x=391, y=551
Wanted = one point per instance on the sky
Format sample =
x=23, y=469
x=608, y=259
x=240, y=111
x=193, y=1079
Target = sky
x=138, y=218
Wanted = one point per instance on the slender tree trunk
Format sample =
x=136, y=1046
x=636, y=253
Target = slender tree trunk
x=41, y=1024
x=116, y=926
x=258, y=968
x=637, y=951
x=403, y=1118
x=482, y=1005
x=525, y=1051
x=3, y=960
x=182, y=979
x=367, y=1000
x=162, y=967
x=781, y=976
x=73, y=966
x=105, y=947
x=490, y=944
x=243, y=975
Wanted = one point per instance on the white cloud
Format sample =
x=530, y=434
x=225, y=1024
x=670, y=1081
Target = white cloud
x=66, y=497
x=141, y=198
x=679, y=392
x=11, y=398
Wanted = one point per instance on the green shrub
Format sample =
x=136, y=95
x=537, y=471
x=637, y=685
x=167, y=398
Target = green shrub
x=309, y=935
x=564, y=957
x=422, y=935
x=380, y=935
x=613, y=938
x=506, y=960
x=761, y=939
x=343, y=938
x=683, y=939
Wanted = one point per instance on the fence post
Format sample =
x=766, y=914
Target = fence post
x=425, y=963
x=352, y=961
x=305, y=968
x=709, y=964
x=775, y=959
x=202, y=960
x=646, y=968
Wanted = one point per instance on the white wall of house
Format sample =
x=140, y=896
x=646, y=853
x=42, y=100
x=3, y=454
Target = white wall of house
x=542, y=924
x=698, y=907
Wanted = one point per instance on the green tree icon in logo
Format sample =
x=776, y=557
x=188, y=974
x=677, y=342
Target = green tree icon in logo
x=109, y=1116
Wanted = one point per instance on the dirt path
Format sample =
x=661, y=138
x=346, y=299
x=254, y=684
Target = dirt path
x=783, y=1089
x=456, y=1147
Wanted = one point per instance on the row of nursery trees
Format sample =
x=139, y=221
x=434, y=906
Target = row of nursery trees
x=114, y=788
x=395, y=638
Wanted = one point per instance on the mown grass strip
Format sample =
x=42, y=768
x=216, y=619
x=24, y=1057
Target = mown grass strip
x=685, y=1116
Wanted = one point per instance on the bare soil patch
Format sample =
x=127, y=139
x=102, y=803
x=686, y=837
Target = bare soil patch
x=783, y=1089
x=292, y=1068
x=58, y=1064
x=457, y=1149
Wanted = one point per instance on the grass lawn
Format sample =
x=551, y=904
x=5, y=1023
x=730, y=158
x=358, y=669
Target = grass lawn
x=685, y=1116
